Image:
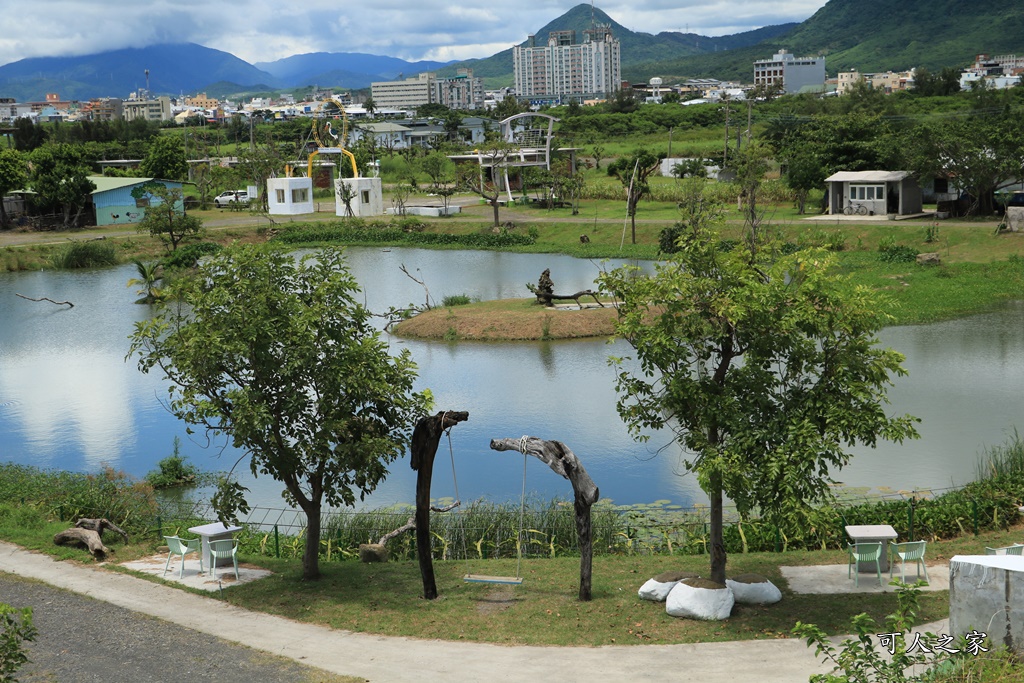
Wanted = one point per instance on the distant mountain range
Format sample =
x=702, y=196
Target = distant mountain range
x=869, y=35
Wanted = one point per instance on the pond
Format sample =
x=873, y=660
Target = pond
x=70, y=400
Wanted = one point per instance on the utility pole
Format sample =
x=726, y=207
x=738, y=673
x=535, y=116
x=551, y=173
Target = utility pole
x=670, y=142
x=725, y=152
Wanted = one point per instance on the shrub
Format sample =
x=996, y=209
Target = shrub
x=88, y=254
x=15, y=627
x=455, y=300
x=188, y=256
x=174, y=470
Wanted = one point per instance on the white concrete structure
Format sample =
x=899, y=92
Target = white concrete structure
x=367, y=199
x=985, y=594
x=877, y=192
x=565, y=70
x=289, y=196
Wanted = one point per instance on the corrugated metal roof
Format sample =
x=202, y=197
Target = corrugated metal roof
x=106, y=183
x=867, y=176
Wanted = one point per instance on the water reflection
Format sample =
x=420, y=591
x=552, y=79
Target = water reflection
x=69, y=400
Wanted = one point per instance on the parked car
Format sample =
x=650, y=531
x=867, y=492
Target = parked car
x=231, y=197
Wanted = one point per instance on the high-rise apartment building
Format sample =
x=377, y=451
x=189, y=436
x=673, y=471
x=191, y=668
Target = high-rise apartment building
x=564, y=70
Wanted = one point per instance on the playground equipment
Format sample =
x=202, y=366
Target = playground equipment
x=327, y=141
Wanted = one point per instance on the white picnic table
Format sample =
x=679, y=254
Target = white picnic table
x=872, y=533
x=215, y=531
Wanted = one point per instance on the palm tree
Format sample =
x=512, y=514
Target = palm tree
x=148, y=278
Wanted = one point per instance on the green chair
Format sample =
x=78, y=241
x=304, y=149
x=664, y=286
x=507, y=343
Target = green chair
x=223, y=549
x=864, y=552
x=1015, y=549
x=912, y=551
x=181, y=546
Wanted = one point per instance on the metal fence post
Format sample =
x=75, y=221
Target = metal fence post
x=277, y=545
x=159, y=528
x=974, y=514
x=910, y=516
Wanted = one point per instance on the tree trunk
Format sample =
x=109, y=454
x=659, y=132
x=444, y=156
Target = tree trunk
x=716, y=541
x=100, y=525
x=564, y=462
x=494, y=204
x=425, y=438
x=311, y=551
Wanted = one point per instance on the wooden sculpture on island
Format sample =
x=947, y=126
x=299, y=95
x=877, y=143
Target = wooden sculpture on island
x=544, y=290
x=563, y=461
x=425, y=437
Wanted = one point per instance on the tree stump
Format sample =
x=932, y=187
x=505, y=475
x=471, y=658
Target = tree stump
x=100, y=525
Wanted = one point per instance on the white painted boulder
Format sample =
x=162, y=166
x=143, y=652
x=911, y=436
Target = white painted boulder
x=657, y=589
x=700, y=599
x=753, y=589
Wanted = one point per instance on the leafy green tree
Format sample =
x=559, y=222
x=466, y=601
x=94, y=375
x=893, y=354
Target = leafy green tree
x=980, y=153
x=509, y=106
x=166, y=159
x=765, y=372
x=432, y=109
x=28, y=135
x=13, y=176
x=633, y=172
x=486, y=179
x=280, y=356
x=441, y=172
x=60, y=178
x=370, y=106
x=165, y=216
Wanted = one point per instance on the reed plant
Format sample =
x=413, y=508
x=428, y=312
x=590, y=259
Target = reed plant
x=90, y=254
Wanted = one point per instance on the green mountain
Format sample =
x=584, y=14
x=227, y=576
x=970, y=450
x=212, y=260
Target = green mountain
x=637, y=48
x=871, y=35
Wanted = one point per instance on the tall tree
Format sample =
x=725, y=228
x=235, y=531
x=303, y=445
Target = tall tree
x=280, y=356
x=13, y=175
x=165, y=216
x=633, y=172
x=60, y=178
x=166, y=159
x=765, y=371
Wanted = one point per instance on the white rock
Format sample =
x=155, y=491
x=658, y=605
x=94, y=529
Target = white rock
x=748, y=592
x=709, y=604
x=656, y=590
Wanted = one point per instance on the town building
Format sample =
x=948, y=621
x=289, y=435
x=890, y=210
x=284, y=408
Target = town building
x=201, y=101
x=888, y=82
x=461, y=91
x=790, y=73
x=564, y=70
x=102, y=109
x=150, y=109
x=1001, y=71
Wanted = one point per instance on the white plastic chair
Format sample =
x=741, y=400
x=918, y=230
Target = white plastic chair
x=864, y=552
x=181, y=546
x=1015, y=549
x=222, y=549
x=911, y=551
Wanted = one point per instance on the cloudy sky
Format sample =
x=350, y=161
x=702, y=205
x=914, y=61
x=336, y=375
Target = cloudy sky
x=265, y=30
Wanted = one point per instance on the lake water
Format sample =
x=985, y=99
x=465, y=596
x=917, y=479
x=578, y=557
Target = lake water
x=69, y=399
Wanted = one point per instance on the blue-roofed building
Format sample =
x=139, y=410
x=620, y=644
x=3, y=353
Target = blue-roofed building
x=114, y=204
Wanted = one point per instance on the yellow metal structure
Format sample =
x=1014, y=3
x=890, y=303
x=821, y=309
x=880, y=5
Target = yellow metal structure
x=322, y=132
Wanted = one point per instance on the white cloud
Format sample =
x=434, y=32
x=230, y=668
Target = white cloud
x=259, y=30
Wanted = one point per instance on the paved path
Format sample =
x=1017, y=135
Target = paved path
x=399, y=660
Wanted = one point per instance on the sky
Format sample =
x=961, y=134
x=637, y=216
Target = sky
x=265, y=30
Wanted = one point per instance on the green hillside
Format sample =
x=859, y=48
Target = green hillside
x=872, y=35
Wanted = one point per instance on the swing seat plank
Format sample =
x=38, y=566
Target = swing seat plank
x=482, y=578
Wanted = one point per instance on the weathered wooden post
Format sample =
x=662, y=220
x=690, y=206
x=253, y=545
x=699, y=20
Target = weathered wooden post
x=563, y=461
x=425, y=438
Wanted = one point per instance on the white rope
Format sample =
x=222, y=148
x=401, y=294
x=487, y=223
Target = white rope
x=522, y=509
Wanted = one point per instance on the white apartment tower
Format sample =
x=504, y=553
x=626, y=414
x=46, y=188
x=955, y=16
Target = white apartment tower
x=566, y=70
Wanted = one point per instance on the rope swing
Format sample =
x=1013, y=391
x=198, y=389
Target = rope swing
x=516, y=580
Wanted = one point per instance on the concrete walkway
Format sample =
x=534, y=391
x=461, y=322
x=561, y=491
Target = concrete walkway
x=399, y=660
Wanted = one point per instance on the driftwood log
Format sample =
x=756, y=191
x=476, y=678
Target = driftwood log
x=87, y=537
x=89, y=532
x=100, y=525
x=425, y=437
x=43, y=298
x=564, y=462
